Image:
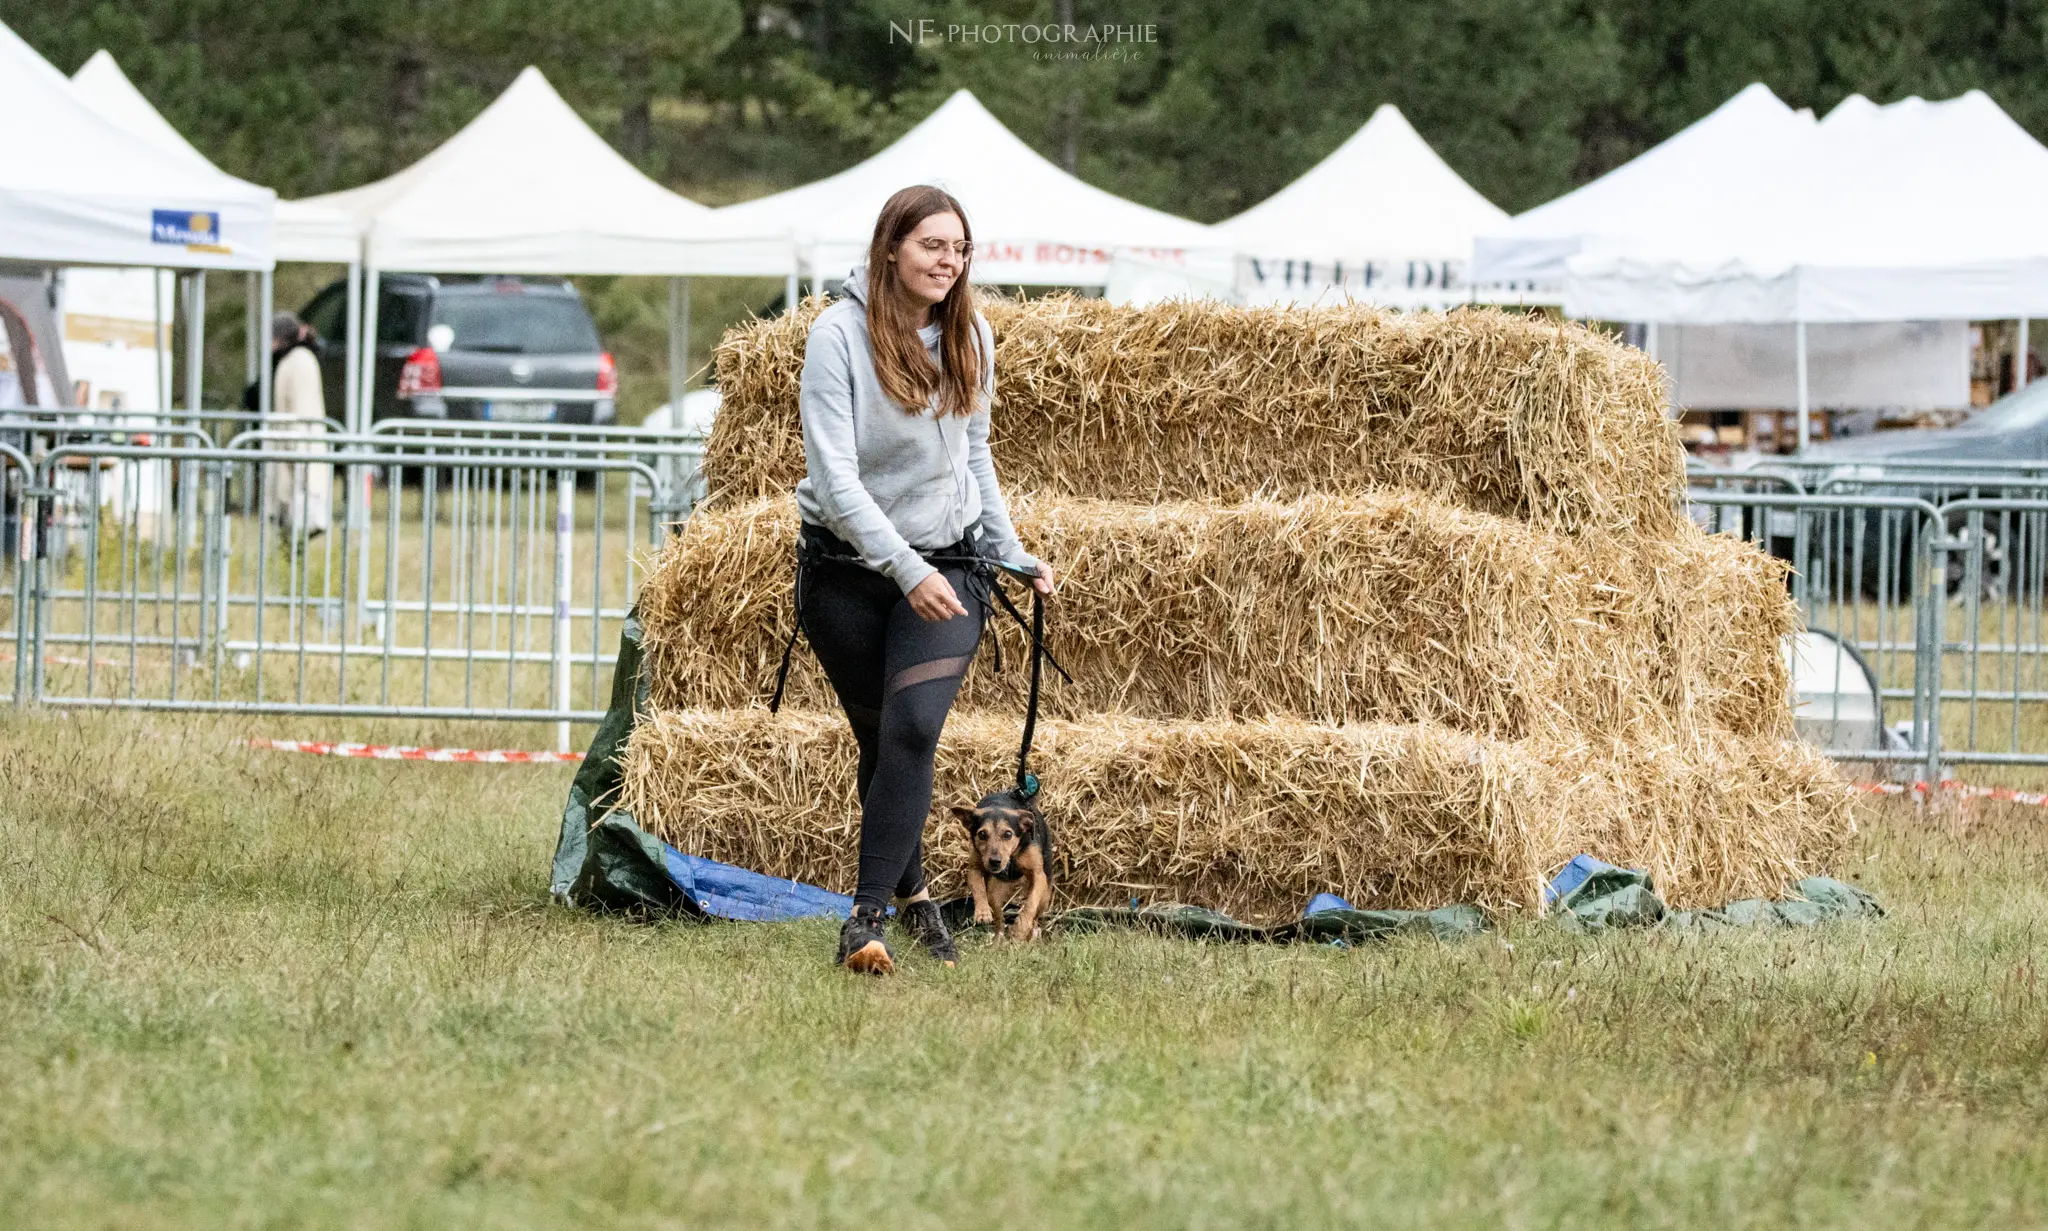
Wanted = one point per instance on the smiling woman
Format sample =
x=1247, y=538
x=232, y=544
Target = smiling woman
x=898, y=489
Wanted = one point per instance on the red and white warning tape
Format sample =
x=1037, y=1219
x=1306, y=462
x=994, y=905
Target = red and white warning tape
x=401, y=752
x=1999, y=794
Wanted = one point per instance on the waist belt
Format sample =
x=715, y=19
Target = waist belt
x=817, y=546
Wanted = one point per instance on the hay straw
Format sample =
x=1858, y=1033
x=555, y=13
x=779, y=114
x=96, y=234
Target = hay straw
x=1505, y=413
x=1254, y=818
x=1388, y=607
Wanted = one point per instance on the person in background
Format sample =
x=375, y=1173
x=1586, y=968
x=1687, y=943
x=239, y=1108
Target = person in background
x=300, y=496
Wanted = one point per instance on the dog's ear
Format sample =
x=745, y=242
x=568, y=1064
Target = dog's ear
x=968, y=817
x=1027, y=823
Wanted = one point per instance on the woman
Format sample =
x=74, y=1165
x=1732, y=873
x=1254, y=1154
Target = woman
x=895, y=405
x=301, y=495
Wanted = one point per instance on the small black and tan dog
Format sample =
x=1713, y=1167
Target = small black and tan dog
x=1012, y=861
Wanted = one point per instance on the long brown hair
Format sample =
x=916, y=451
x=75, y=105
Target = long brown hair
x=902, y=363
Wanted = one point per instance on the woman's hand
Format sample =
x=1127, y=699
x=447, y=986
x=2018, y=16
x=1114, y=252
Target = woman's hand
x=933, y=599
x=1043, y=582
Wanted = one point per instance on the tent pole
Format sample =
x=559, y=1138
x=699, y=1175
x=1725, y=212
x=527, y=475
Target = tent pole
x=683, y=381
x=266, y=307
x=2019, y=363
x=789, y=292
x=352, y=349
x=359, y=415
x=163, y=343
x=195, y=339
x=366, y=381
x=678, y=349
x=1799, y=349
x=252, y=329
x=195, y=392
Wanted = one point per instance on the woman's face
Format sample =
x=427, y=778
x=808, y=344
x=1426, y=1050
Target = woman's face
x=927, y=262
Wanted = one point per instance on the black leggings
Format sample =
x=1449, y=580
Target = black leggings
x=896, y=675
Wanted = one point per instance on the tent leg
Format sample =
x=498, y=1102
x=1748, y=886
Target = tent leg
x=678, y=348
x=1805, y=428
x=267, y=308
x=195, y=393
x=365, y=408
x=789, y=292
x=352, y=350
x=2019, y=362
x=195, y=339
x=163, y=342
x=254, y=328
x=361, y=412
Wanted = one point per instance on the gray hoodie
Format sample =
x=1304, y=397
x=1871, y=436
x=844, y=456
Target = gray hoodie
x=887, y=481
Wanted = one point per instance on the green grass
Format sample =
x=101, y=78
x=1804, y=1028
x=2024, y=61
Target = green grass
x=248, y=989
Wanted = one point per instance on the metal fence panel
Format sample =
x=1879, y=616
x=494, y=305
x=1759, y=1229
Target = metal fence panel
x=330, y=578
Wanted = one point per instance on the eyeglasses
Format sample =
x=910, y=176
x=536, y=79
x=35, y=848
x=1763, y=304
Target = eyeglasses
x=933, y=246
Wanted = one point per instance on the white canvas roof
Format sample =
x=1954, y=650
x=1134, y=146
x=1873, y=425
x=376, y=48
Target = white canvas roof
x=1913, y=211
x=1033, y=223
x=77, y=189
x=303, y=232
x=527, y=187
x=107, y=90
x=1689, y=183
x=1382, y=218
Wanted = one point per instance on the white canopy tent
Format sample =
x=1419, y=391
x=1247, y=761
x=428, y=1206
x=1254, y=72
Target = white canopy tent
x=1915, y=210
x=107, y=90
x=1034, y=224
x=1382, y=219
x=79, y=189
x=1689, y=183
x=527, y=188
x=76, y=189
x=1874, y=220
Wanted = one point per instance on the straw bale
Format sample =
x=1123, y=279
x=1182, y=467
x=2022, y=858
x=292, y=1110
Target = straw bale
x=1506, y=413
x=1254, y=818
x=1383, y=607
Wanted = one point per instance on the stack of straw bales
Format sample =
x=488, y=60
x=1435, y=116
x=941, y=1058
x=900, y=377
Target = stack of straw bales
x=1398, y=606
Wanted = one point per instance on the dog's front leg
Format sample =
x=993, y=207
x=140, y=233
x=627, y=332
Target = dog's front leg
x=977, y=885
x=1037, y=893
x=999, y=895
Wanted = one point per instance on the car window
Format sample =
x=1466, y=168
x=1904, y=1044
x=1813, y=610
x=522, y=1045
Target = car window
x=328, y=313
x=398, y=317
x=517, y=324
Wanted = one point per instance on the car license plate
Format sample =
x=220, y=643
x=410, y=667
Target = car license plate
x=519, y=412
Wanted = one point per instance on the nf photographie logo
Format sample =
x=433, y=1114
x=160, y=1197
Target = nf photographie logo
x=1048, y=36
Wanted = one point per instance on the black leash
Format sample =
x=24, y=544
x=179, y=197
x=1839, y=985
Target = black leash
x=980, y=568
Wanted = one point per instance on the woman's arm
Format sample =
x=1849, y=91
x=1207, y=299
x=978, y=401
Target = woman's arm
x=996, y=529
x=831, y=456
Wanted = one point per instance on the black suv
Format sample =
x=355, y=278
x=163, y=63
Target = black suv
x=521, y=350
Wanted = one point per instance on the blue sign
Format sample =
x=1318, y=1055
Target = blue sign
x=184, y=226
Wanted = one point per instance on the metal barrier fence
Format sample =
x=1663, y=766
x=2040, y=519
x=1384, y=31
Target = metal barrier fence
x=432, y=569
x=1937, y=576
x=331, y=574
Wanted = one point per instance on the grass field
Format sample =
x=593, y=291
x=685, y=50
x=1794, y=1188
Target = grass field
x=245, y=989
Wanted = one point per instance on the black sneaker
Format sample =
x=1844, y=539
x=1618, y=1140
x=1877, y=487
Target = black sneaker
x=927, y=927
x=861, y=947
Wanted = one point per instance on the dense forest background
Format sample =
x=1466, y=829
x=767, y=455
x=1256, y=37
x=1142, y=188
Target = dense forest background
x=724, y=100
